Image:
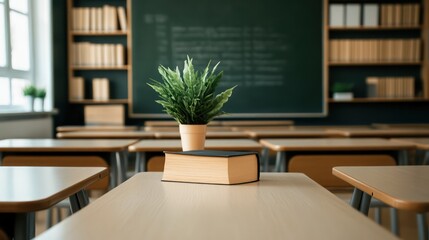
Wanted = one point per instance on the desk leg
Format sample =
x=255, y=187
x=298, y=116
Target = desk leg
x=422, y=226
x=78, y=201
x=425, y=159
x=1, y=158
x=25, y=224
x=141, y=162
x=394, y=221
x=364, y=205
x=113, y=171
x=279, y=160
x=265, y=158
x=119, y=168
x=356, y=198
x=403, y=157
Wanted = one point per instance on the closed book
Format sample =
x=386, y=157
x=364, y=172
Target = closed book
x=370, y=14
x=77, y=88
x=122, y=18
x=353, y=15
x=213, y=167
x=336, y=15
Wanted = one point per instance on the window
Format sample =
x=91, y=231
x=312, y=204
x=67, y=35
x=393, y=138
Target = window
x=16, y=70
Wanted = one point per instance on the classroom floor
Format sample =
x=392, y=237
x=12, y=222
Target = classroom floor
x=407, y=223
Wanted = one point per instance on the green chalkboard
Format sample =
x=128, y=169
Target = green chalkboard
x=271, y=49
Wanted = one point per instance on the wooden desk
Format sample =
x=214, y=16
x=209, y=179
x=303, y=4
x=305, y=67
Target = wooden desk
x=257, y=123
x=279, y=206
x=420, y=143
x=160, y=145
x=400, y=125
x=291, y=133
x=281, y=146
x=209, y=135
x=95, y=128
x=24, y=190
x=210, y=128
x=116, y=148
x=384, y=133
x=106, y=135
x=173, y=123
x=402, y=187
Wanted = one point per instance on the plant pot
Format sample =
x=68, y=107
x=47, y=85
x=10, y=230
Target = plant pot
x=343, y=96
x=30, y=104
x=193, y=137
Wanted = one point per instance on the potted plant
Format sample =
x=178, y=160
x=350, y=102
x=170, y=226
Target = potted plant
x=30, y=92
x=190, y=99
x=342, y=91
x=41, y=94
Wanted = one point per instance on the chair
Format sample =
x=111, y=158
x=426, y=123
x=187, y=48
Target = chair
x=104, y=115
x=61, y=161
x=156, y=164
x=319, y=168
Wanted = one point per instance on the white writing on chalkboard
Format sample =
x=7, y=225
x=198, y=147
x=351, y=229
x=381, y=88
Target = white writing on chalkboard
x=250, y=56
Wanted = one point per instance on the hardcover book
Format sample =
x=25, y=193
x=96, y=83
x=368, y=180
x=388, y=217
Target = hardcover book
x=213, y=167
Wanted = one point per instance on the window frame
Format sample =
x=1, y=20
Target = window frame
x=7, y=71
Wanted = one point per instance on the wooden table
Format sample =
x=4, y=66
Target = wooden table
x=106, y=135
x=24, y=190
x=420, y=143
x=209, y=134
x=291, y=133
x=281, y=146
x=384, y=133
x=159, y=145
x=257, y=123
x=401, y=187
x=279, y=206
x=96, y=128
x=401, y=125
x=116, y=148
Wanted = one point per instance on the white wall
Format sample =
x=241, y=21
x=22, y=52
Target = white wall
x=26, y=128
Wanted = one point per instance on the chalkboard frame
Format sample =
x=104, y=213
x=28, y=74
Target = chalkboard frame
x=324, y=92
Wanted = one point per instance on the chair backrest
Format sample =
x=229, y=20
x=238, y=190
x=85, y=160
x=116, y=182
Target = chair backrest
x=156, y=164
x=319, y=167
x=104, y=115
x=62, y=161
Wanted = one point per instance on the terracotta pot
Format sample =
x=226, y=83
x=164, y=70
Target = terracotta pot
x=193, y=137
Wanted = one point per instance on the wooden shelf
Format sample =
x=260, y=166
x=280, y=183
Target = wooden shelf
x=374, y=63
x=79, y=68
x=377, y=28
x=91, y=101
x=373, y=100
x=84, y=33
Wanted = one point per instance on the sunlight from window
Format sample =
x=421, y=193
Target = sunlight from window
x=19, y=5
x=2, y=39
x=4, y=91
x=17, y=87
x=20, y=41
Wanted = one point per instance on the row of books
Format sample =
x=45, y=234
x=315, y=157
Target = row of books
x=102, y=19
x=91, y=54
x=372, y=14
x=400, y=14
x=390, y=87
x=100, y=89
x=379, y=50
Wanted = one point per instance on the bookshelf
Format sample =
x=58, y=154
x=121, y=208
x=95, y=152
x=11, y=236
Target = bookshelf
x=99, y=47
x=388, y=45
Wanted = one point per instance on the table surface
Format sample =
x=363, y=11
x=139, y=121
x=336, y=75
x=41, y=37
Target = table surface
x=389, y=132
x=209, y=134
x=290, y=133
x=95, y=128
x=158, y=145
x=279, y=206
x=334, y=144
x=420, y=143
x=402, y=187
x=64, y=145
x=29, y=189
x=106, y=134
